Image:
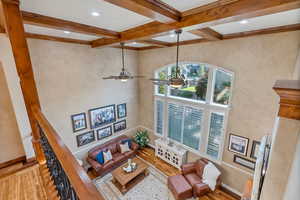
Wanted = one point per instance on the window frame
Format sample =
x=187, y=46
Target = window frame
x=208, y=107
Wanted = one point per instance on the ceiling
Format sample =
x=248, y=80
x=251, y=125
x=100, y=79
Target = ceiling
x=116, y=18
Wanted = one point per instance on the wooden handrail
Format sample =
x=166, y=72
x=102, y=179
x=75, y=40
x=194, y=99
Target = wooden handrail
x=79, y=179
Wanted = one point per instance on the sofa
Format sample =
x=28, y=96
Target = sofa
x=193, y=172
x=118, y=158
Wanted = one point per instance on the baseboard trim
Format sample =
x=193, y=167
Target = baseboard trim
x=233, y=192
x=12, y=162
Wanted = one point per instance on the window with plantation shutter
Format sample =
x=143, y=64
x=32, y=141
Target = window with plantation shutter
x=159, y=116
x=175, y=115
x=215, y=134
x=194, y=116
x=192, y=127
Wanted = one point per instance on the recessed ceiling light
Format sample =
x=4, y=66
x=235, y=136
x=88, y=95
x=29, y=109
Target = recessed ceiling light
x=95, y=14
x=244, y=21
x=67, y=32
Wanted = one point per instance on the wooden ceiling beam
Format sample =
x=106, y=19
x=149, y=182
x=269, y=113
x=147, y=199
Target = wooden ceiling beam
x=231, y=12
x=56, y=39
x=207, y=33
x=126, y=47
x=155, y=42
x=2, y=29
x=51, y=22
x=279, y=29
x=153, y=9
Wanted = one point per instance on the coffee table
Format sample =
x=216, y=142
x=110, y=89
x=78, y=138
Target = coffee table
x=125, y=181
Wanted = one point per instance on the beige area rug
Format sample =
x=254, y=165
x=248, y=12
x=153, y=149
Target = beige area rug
x=153, y=187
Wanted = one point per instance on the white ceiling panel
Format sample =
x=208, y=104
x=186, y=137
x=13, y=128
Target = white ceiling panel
x=183, y=5
x=137, y=44
x=111, y=17
x=57, y=33
x=183, y=37
x=267, y=21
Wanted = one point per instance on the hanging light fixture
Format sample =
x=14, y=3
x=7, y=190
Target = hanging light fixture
x=124, y=75
x=176, y=80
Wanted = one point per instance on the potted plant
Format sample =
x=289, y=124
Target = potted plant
x=142, y=138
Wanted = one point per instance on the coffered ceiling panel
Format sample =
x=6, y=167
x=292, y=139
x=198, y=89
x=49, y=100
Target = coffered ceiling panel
x=134, y=44
x=57, y=33
x=173, y=38
x=267, y=21
x=183, y=5
x=110, y=16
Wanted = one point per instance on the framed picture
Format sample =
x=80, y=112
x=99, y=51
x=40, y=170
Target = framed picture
x=238, y=144
x=118, y=126
x=104, y=132
x=122, y=110
x=85, y=138
x=254, y=149
x=244, y=162
x=101, y=116
x=78, y=122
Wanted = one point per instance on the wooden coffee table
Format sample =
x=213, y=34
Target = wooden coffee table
x=125, y=181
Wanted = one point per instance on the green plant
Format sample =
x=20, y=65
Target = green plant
x=141, y=138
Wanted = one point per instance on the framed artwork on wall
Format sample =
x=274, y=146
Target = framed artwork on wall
x=119, y=126
x=121, y=110
x=85, y=138
x=101, y=116
x=244, y=162
x=254, y=149
x=78, y=122
x=104, y=132
x=238, y=144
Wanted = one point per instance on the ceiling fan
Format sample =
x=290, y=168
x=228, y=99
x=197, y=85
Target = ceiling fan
x=176, y=80
x=124, y=74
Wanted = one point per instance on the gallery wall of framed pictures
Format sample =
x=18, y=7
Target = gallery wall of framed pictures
x=239, y=146
x=103, y=121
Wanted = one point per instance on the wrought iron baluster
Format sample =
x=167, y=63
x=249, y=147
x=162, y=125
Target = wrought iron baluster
x=58, y=175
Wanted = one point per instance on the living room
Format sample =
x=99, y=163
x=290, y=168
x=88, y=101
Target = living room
x=220, y=115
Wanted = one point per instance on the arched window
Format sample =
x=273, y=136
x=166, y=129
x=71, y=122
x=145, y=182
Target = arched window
x=195, y=115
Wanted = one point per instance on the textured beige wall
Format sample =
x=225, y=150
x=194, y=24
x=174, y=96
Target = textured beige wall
x=10, y=144
x=69, y=81
x=257, y=63
x=281, y=159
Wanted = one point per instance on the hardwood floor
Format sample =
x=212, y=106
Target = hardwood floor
x=23, y=185
x=148, y=154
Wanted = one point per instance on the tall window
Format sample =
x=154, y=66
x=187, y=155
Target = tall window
x=194, y=115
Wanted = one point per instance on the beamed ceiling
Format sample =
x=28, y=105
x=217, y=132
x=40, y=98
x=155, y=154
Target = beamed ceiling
x=149, y=24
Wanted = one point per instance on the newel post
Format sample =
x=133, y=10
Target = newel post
x=285, y=140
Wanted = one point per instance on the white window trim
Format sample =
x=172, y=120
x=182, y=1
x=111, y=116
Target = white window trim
x=207, y=106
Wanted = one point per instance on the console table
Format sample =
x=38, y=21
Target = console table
x=174, y=155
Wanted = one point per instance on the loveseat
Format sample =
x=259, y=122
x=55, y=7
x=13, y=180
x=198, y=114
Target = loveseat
x=118, y=158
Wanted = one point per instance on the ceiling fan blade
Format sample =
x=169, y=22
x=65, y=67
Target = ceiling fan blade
x=111, y=77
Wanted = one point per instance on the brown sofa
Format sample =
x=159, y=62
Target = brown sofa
x=118, y=158
x=193, y=172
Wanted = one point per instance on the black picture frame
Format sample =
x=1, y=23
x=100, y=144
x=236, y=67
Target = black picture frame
x=244, y=162
x=120, y=111
x=98, y=132
x=234, y=149
x=254, y=149
x=119, y=126
x=97, y=111
x=81, y=140
x=75, y=122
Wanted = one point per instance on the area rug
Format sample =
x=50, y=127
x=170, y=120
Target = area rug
x=153, y=187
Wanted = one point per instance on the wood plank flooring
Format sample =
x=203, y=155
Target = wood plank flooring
x=23, y=185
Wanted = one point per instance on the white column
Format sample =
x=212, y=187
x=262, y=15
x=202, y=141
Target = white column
x=13, y=82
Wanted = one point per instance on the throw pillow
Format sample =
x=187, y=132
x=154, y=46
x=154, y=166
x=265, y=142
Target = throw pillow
x=107, y=156
x=127, y=140
x=100, y=158
x=210, y=175
x=124, y=147
x=199, y=166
